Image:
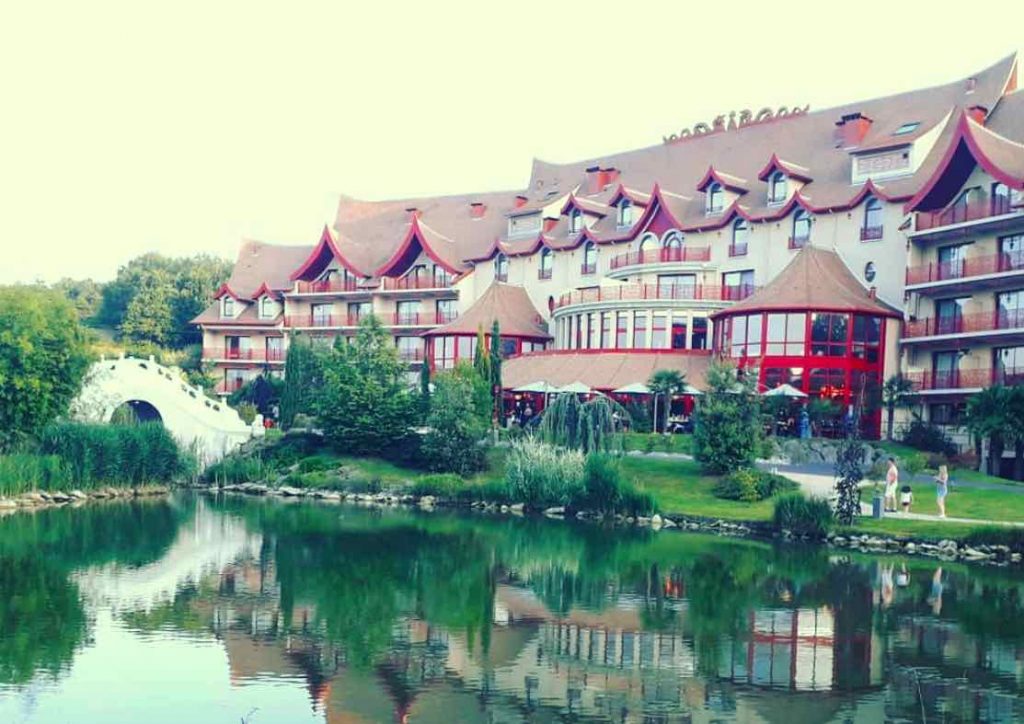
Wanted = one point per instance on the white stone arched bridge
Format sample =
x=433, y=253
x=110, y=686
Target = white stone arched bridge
x=209, y=427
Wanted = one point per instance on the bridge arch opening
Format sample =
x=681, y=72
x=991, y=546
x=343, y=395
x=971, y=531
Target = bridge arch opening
x=135, y=412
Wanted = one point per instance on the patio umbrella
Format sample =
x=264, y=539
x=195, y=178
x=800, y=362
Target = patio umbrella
x=784, y=390
x=637, y=388
x=576, y=388
x=691, y=390
x=539, y=386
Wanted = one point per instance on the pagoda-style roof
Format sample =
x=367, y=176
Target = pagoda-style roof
x=509, y=305
x=816, y=279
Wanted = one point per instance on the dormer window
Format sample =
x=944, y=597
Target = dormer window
x=778, y=188
x=625, y=213
x=268, y=309
x=589, y=258
x=872, y=228
x=575, y=221
x=501, y=268
x=801, y=230
x=740, y=237
x=547, y=261
x=714, y=200
x=227, y=307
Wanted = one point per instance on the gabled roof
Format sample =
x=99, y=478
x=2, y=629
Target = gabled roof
x=509, y=305
x=637, y=197
x=970, y=144
x=420, y=238
x=728, y=181
x=265, y=290
x=585, y=205
x=792, y=170
x=248, y=317
x=815, y=279
x=226, y=290
x=325, y=250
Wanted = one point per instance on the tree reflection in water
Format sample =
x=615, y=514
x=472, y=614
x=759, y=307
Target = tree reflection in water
x=396, y=614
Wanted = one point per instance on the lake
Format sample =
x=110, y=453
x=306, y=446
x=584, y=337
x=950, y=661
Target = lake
x=200, y=609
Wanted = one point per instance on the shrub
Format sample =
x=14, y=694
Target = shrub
x=317, y=479
x=247, y=411
x=236, y=469
x=634, y=501
x=317, y=463
x=803, y=515
x=726, y=435
x=913, y=463
x=649, y=442
x=442, y=485
x=934, y=460
x=602, y=484
x=751, y=485
x=540, y=474
x=921, y=435
x=460, y=414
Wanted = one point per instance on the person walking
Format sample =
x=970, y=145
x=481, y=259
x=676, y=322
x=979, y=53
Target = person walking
x=941, y=489
x=892, y=481
x=906, y=498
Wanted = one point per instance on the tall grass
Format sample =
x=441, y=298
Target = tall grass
x=539, y=474
x=23, y=472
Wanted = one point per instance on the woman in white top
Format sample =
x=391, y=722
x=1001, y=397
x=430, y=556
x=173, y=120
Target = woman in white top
x=892, y=480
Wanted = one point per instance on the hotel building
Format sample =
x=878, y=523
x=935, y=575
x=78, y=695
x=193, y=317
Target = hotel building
x=829, y=249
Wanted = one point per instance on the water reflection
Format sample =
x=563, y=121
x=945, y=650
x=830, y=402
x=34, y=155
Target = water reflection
x=384, y=616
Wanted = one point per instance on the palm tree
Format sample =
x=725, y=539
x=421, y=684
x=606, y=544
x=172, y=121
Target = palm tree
x=989, y=418
x=665, y=383
x=895, y=393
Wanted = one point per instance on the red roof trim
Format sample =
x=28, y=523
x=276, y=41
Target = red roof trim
x=225, y=289
x=414, y=233
x=965, y=130
x=265, y=289
x=486, y=256
x=789, y=169
x=727, y=312
x=623, y=192
x=326, y=240
x=713, y=175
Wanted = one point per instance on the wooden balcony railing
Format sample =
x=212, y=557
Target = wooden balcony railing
x=871, y=233
x=966, y=379
x=684, y=253
x=335, y=286
x=962, y=213
x=641, y=292
x=402, y=284
x=964, y=324
x=966, y=268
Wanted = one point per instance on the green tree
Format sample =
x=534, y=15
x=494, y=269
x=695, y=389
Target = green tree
x=302, y=375
x=460, y=414
x=590, y=426
x=665, y=384
x=149, y=314
x=84, y=294
x=496, y=386
x=365, y=405
x=896, y=392
x=43, y=359
x=727, y=435
x=987, y=419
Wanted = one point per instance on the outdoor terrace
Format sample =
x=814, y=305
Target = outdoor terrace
x=662, y=256
x=642, y=292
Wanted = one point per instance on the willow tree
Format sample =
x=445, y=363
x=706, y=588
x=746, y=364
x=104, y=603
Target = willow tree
x=591, y=426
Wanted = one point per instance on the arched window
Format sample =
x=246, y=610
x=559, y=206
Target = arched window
x=778, y=189
x=672, y=246
x=872, y=228
x=589, y=258
x=801, y=229
x=625, y=213
x=740, y=237
x=1000, y=199
x=715, y=199
x=266, y=308
x=501, y=268
x=547, y=259
x=647, y=247
x=228, y=307
x=575, y=221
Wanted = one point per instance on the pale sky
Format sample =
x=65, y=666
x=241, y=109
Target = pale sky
x=128, y=127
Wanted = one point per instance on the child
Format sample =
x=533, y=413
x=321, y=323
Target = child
x=906, y=498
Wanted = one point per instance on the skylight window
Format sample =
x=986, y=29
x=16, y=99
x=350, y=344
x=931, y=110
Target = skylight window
x=906, y=128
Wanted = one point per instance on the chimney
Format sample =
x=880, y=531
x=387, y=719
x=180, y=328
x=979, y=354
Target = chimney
x=873, y=293
x=477, y=210
x=972, y=84
x=520, y=201
x=978, y=113
x=413, y=212
x=606, y=176
x=851, y=129
x=549, y=223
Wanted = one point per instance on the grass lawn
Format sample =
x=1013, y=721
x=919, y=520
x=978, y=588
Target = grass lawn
x=975, y=503
x=678, y=486
x=656, y=442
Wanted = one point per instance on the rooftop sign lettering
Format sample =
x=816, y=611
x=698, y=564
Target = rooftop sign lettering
x=745, y=118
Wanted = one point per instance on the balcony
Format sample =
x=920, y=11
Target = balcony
x=422, y=319
x=966, y=269
x=871, y=233
x=798, y=242
x=666, y=292
x=243, y=355
x=331, y=286
x=320, y=320
x=676, y=255
x=412, y=284
x=974, y=324
x=935, y=381
x=962, y=214
x=543, y=274
x=738, y=249
x=588, y=269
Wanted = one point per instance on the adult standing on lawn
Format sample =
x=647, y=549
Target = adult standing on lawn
x=892, y=481
x=941, y=489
